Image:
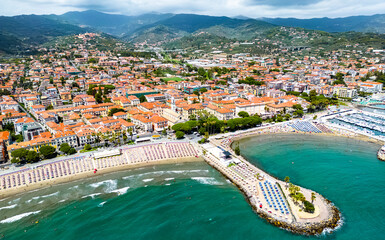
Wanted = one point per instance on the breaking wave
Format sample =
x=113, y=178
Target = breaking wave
x=18, y=217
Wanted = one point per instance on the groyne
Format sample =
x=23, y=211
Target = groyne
x=329, y=217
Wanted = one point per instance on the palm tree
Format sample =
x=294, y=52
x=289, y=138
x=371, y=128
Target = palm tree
x=301, y=197
x=313, y=197
x=287, y=180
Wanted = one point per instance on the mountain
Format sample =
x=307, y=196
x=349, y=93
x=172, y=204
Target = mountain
x=374, y=23
x=19, y=32
x=184, y=24
x=113, y=24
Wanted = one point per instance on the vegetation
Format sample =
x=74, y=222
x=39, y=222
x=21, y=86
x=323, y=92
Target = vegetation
x=115, y=110
x=210, y=124
x=251, y=81
x=237, y=150
x=142, y=99
x=48, y=152
x=287, y=180
x=179, y=134
x=87, y=147
x=319, y=102
x=67, y=149
x=308, y=206
x=22, y=156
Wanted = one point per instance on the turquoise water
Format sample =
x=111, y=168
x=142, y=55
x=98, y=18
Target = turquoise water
x=379, y=105
x=193, y=201
x=345, y=171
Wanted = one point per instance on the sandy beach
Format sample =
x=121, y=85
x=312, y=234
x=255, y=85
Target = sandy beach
x=188, y=156
x=51, y=182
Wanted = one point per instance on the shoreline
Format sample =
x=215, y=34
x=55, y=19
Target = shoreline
x=328, y=217
x=71, y=169
x=355, y=136
x=301, y=229
x=88, y=175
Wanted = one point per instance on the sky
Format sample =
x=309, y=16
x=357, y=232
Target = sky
x=249, y=8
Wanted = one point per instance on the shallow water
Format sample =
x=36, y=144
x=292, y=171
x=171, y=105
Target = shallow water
x=193, y=201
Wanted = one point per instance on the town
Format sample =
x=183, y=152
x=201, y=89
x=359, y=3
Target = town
x=61, y=102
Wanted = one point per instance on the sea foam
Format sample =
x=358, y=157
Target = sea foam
x=18, y=217
x=91, y=195
x=110, y=185
x=9, y=207
x=121, y=190
x=159, y=173
x=207, y=180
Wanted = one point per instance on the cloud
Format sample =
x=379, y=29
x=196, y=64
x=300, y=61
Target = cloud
x=282, y=3
x=250, y=8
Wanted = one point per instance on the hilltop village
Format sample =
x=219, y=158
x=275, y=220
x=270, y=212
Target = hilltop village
x=62, y=101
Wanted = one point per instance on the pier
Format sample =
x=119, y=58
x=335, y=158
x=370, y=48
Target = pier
x=268, y=196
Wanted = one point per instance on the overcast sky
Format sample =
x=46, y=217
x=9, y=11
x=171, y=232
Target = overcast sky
x=249, y=8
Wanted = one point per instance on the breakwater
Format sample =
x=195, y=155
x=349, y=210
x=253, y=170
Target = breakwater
x=278, y=210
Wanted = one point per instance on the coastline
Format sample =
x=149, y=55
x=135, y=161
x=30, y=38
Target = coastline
x=66, y=179
x=356, y=136
x=328, y=217
x=75, y=168
x=298, y=228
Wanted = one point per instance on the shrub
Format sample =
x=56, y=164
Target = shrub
x=179, y=134
x=309, y=207
x=87, y=147
x=237, y=150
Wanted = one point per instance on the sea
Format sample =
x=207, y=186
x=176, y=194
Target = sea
x=194, y=201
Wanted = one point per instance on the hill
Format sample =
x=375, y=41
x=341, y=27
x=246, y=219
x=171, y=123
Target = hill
x=20, y=32
x=113, y=24
x=182, y=25
x=374, y=23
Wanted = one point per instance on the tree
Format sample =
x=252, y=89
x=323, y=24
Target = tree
x=19, y=155
x=75, y=85
x=72, y=151
x=243, y=114
x=48, y=152
x=49, y=107
x=313, y=197
x=203, y=90
x=287, y=180
x=98, y=98
x=32, y=157
x=65, y=148
x=179, y=134
x=143, y=99
x=164, y=132
x=115, y=110
x=297, y=107
x=87, y=147
x=237, y=150
x=298, y=113
x=308, y=207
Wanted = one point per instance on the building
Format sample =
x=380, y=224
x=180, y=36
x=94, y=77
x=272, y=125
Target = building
x=371, y=87
x=31, y=130
x=345, y=92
